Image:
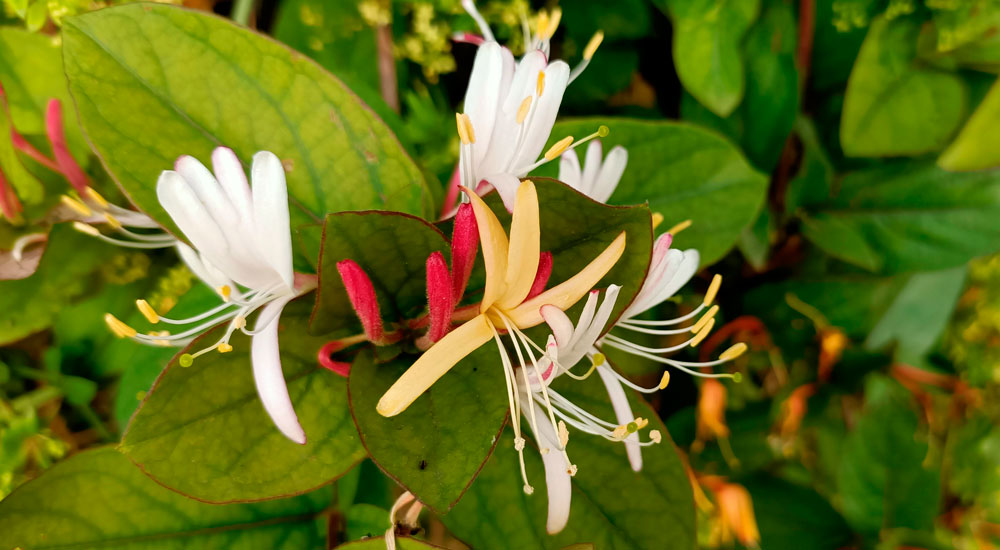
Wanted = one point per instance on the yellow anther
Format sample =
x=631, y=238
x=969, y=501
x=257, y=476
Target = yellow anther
x=76, y=205
x=705, y=330
x=704, y=319
x=571, y=470
x=620, y=433
x=554, y=18
x=591, y=48
x=540, y=85
x=119, y=328
x=679, y=227
x=96, y=197
x=463, y=135
x=559, y=148
x=469, y=130
x=225, y=291
x=599, y=359
x=88, y=229
x=522, y=111
x=112, y=221
x=713, y=289
x=147, y=311
x=528, y=489
x=654, y=436
x=641, y=422
x=665, y=380
x=542, y=24
x=239, y=322
x=159, y=334
x=563, y=434
x=224, y=348
x=657, y=219
x=733, y=352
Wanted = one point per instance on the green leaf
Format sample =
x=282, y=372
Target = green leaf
x=392, y=249
x=974, y=451
x=684, y=172
x=707, y=38
x=882, y=480
x=918, y=314
x=791, y=517
x=612, y=506
x=203, y=432
x=65, y=272
x=813, y=183
x=378, y=543
x=97, y=499
x=201, y=81
x=971, y=150
x=909, y=217
x=893, y=105
x=436, y=447
x=365, y=520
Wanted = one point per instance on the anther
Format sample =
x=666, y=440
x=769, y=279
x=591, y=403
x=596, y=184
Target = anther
x=86, y=229
x=733, y=352
x=641, y=422
x=147, y=311
x=112, y=221
x=665, y=380
x=76, y=205
x=563, y=434
x=96, y=197
x=225, y=291
x=519, y=444
x=528, y=489
x=554, y=18
x=657, y=219
x=654, y=436
x=713, y=289
x=462, y=134
x=620, y=433
x=239, y=322
x=705, y=330
x=224, y=347
x=708, y=316
x=592, y=45
x=542, y=24
x=559, y=148
x=679, y=227
x=119, y=328
x=522, y=111
x=571, y=470
x=186, y=360
x=469, y=130
x=540, y=86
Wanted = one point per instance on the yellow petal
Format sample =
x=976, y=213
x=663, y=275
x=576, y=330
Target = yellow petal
x=569, y=292
x=436, y=361
x=522, y=257
x=493, y=239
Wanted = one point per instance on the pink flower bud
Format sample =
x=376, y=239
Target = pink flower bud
x=361, y=293
x=464, y=245
x=542, y=275
x=67, y=164
x=326, y=362
x=440, y=297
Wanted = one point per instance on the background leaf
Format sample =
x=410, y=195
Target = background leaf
x=203, y=432
x=971, y=150
x=98, y=499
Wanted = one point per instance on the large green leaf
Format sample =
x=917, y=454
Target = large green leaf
x=972, y=149
x=893, y=105
x=909, y=217
x=392, y=248
x=707, y=53
x=684, y=172
x=882, y=479
x=154, y=82
x=203, y=432
x=613, y=507
x=97, y=499
x=378, y=543
x=792, y=517
x=437, y=446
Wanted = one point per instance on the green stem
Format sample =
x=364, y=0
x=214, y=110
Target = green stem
x=242, y=10
x=35, y=398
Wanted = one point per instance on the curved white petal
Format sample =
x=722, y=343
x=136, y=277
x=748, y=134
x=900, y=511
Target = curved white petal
x=559, y=323
x=271, y=223
x=556, y=79
x=570, y=172
x=268, y=377
x=611, y=173
x=190, y=215
x=596, y=327
x=506, y=185
x=558, y=482
x=592, y=167
x=208, y=273
x=586, y=317
x=229, y=171
x=203, y=183
x=482, y=97
x=623, y=412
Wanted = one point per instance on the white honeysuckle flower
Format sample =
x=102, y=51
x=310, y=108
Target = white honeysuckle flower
x=242, y=248
x=595, y=178
x=510, y=107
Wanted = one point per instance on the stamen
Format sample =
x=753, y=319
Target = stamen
x=542, y=24
x=733, y=352
x=563, y=434
x=559, y=148
x=186, y=360
x=470, y=8
x=713, y=289
x=76, y=205
x=225, y=291
x=654, y=436
x=119, y=328
x=112, y=221
x=86, y=229
x=592, y=45
x=224, y=347
x=540, y=86
x=553, y=25
x=463, y=135
x=522, y=111
x=528, y=489
x=469, y=130
x=147, y=311
x=702, y=333
x=657, y=219
x=679, y=227
x=96, y=197
x=708, y=316
x=665, y=380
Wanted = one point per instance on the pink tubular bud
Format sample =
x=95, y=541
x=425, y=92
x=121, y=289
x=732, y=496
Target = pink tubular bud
x=440, y=297
x=22, y=144
x=468, y=38
x=10, y=207
x=464, y=245
x=326, y=362
x=362, y=295
x=67, y=164
x=542, y=275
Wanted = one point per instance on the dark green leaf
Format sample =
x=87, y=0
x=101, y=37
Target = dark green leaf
x=202, y=81
x=684, y=173
x=909, y=217
x=203, y=432
x=975, y=452
x=971, y=150
x=894, y=106
x=792, y=517
x=378, y=543
x=98, y=499
x=612, y=506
